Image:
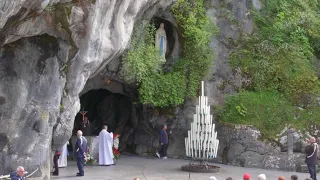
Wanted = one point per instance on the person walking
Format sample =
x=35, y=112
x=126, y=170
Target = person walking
x=164, y=143
x=55, y=161
x=80, y=151
x=311, y=157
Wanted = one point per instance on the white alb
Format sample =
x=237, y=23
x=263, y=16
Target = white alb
x=63, y=157
x=105, y=148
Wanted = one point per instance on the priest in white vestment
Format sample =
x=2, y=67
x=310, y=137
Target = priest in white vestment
x=105, y=147
x=63, y=157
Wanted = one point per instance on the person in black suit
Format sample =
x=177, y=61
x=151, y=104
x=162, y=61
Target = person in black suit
x=311, y=157
x=80, y=151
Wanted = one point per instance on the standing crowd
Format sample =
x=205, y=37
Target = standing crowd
x=261, y=177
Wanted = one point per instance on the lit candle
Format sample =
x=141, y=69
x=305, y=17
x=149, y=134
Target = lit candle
x=202, y=88
x=199, y=150
x=186, y=145
x=216, y=149
x=207, y=119
x=211, y=150
x=188, y=141
x=213, y=126
x=205, y=143
x=205, y=101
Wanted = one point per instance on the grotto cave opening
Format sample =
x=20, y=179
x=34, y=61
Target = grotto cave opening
x=104, y=108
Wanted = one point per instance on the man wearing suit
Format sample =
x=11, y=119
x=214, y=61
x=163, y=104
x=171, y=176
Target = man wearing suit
x=18, y=175
x=80, y=151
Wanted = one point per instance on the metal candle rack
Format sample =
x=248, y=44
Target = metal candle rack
x=202, y=143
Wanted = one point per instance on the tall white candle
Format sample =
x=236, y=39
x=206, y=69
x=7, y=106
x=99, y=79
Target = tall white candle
x=188, y=142
x=202, y=88
x=205, y=101
x=216, y=148
x=186, y=145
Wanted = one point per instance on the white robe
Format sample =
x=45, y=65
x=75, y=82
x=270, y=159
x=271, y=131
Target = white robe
x=105, y=148
x=63, y=157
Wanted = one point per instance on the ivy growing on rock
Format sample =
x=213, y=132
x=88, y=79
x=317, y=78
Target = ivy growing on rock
x=278, y=58
x=142, y=60
x=268, y=111
x=172, y=88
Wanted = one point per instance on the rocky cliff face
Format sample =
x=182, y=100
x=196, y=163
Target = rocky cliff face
x=240, y=146
x=49, y=49
x=53, y=51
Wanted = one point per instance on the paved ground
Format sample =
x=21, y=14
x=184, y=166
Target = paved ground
x=129, y=167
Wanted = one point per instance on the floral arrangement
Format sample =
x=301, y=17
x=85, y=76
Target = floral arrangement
x=115, y=147
x=116, y=153
x=89, y=160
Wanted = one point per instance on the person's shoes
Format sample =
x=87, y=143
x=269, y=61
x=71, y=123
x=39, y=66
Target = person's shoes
x=55, y=174
x=158, y=154
x=165, y=157
x=79, y=174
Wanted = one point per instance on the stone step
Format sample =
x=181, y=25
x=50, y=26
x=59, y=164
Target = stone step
x=304, y=168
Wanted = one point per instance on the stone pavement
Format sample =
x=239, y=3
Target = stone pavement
x=144, y=168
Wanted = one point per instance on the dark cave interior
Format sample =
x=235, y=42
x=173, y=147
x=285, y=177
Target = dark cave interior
x=104, y=108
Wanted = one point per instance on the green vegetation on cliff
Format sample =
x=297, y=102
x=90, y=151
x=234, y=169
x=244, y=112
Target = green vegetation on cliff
x=142, y=60
x=260, y=109
x=172, y=88
x=278, y=59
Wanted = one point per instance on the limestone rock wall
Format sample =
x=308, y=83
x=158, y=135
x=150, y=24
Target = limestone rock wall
x=49, y=48
x=49, y=51
x=239, y=146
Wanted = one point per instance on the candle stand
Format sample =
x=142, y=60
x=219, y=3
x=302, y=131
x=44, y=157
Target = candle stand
x=202, y=143
x=200, y=166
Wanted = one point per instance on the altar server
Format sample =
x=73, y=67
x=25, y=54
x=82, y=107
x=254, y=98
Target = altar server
x=63, y=157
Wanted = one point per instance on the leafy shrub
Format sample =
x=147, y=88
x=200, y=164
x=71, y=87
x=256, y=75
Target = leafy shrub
x=163, y=89
x=142, y=59
x=268, y=111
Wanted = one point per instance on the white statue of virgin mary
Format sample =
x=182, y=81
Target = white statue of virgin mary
x=161, y=41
